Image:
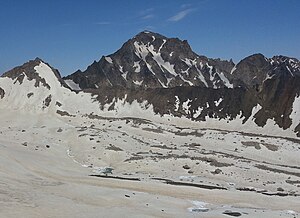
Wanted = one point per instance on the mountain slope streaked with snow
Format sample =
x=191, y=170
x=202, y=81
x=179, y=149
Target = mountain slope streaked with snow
x=36, y=87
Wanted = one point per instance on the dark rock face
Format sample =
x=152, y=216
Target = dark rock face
x=186, y=101
x=252, y=70
x=2, y=93
x=274, y=82
x=47, y=101
x=150, y=60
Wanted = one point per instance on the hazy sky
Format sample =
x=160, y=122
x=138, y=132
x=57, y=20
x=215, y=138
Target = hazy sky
x=71, y=34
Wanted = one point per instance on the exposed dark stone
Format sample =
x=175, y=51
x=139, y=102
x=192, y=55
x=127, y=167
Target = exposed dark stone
x=29, y=94
x=186, y=167
x=252, y=144
x=64, y=113
x=209, y=187
x=297, y=130
x=59, y=130
x=217, y=171
x=2, y=93
x=264, y=167
x=113, y=148
x=117, y=177
x=47, y=101
x=232, y=213
x=280, y=189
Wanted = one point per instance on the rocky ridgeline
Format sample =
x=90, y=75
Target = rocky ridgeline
x=168, y=75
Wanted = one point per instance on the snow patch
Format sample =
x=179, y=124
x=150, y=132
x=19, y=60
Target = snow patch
x=137, y=66
x=138, y=82
x=169, y=80
x=186, y=106
x=198, y=206
x=201, y=77
x=164, y=41
x=268, y=77
x=160, y=61
x=124, y=75
x=47, y=73
x=177, y=102
x=233, y=69
x=289, y=70
x=225, y=80
x=141, y=50
x=295, y=115
x=121, y=69
x=184, y=80
x=198, y=112
x=72, y=84
x=189, y=62
x=217, y=103
x=109, y=60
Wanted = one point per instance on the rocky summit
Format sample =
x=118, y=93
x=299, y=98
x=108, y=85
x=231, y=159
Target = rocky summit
x=150, y=60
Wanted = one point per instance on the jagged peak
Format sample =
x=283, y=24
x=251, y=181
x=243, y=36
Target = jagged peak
x=148, y=34
x=282, y=58
x=149, y=37
x=38, y=59
x=35, y=69
x=284, y=62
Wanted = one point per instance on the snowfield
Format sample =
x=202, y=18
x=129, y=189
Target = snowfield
x=141, y=168
x=59, y=158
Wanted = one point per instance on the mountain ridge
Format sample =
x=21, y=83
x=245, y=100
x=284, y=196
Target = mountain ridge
x=150, y=60
x=258, y=93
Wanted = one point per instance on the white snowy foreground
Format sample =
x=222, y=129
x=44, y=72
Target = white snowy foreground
x=46, y=162
x=61, y=156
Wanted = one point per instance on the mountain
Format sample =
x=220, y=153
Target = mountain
x=159, y=78
x=150, y=60
x=36, y=87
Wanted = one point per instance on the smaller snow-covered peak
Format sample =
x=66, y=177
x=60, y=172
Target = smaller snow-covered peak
x=37, y=70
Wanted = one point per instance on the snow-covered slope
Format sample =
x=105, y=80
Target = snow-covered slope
x=35, y=87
